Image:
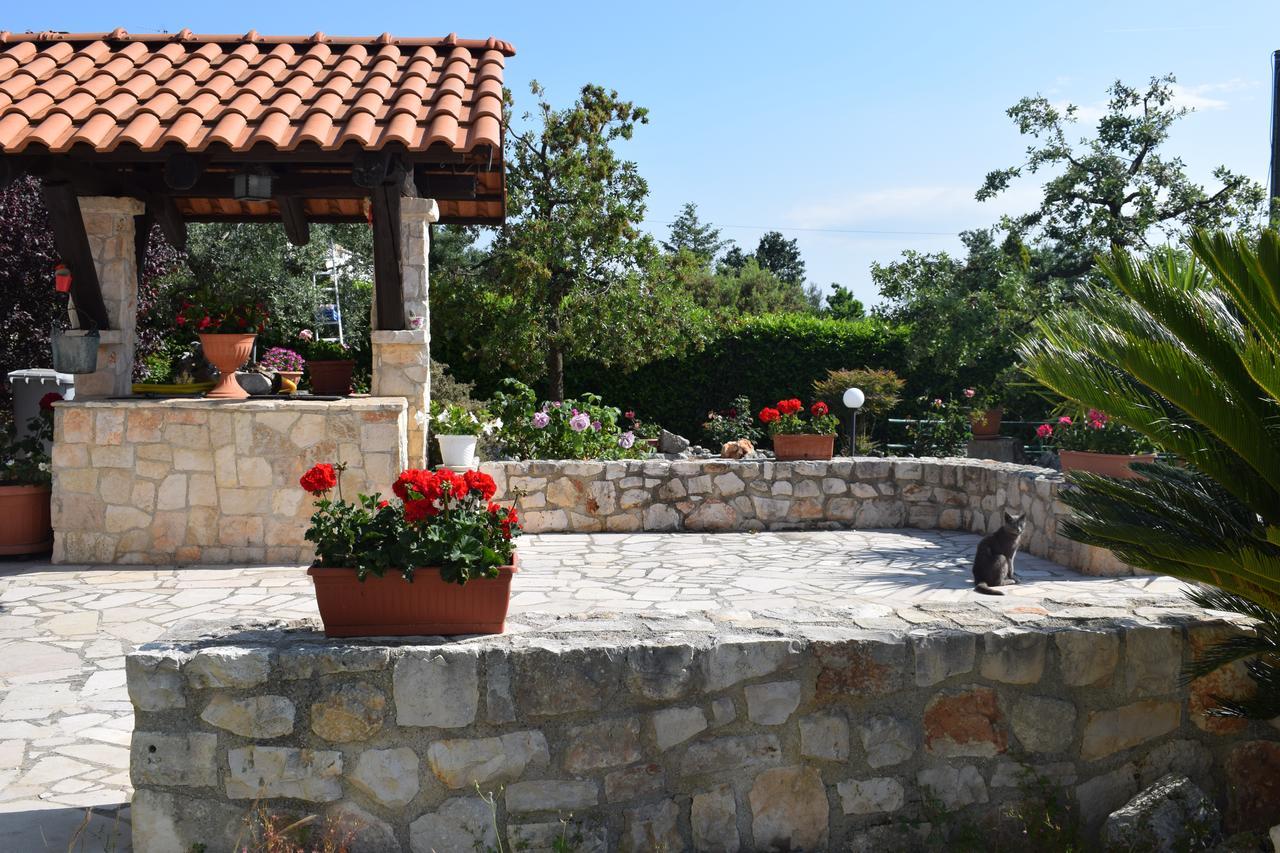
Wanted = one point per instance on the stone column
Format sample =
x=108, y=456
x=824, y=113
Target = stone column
x=401, y=357
x=108, y=222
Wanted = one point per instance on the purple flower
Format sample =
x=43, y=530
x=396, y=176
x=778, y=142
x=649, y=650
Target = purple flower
x=579, y=422
x=627, y=439
x=556, y=404
x=595, y=425
x=540, y=420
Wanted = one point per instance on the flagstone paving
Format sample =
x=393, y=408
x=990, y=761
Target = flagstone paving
x=65, y=716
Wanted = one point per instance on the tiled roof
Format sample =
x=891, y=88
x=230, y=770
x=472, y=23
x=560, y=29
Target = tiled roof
x=104, y=91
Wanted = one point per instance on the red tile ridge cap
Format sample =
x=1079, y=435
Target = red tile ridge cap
x=253, y=36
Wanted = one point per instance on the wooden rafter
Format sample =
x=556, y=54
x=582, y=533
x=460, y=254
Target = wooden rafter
x=73, y=246
x=293, y=213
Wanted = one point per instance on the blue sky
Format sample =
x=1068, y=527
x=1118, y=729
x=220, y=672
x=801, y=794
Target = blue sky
x=820, y=119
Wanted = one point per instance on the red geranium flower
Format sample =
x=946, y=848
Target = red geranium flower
x=320, y=479
x=478, y=481
x=1044, y=431
x=818, y=409
x=506, y=523
x=457, y=485
x=790, y=407
x=47, y=401
x=416, y=483
x=420, y=510
x=768, y=415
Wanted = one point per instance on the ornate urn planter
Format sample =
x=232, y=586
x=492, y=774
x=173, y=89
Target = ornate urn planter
x=792, y=447
x=390, y=606
x=228, y=352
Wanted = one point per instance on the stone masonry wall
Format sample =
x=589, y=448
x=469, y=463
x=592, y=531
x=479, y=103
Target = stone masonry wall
x=726, y=495
x=668, y=736
x=177, y=482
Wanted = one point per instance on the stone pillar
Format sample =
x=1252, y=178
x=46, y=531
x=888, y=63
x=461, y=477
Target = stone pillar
x=108, y=222
x=401, y=357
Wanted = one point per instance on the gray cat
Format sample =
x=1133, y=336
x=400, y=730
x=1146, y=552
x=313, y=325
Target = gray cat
x=993, y=562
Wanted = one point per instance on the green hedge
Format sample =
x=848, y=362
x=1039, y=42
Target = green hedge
x=766, y=357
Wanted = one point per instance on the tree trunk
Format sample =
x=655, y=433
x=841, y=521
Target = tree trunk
x=555, y=372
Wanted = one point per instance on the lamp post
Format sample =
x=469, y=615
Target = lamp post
x=853, y=400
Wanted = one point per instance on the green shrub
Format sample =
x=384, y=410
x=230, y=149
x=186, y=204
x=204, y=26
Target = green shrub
x=767, y=357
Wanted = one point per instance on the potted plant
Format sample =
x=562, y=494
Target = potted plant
x=438, y=560
x=798, y=437
x=329, y=365
x=227, y=321
x=24, y=485
x=457, y=431
x=1096, y=444
x=985, y=413
x=285, y=363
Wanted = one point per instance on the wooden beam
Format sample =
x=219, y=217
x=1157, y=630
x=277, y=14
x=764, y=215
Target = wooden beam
x=445, y=187
x=73, y=247
x=182, y=170
x=388, y=281
x=164, y=210
x=293, y=213
x=141, y=241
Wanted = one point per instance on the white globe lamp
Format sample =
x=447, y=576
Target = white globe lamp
x=853, y=399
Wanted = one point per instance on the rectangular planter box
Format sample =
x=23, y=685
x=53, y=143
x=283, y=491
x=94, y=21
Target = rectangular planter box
x=790, y=447
x=1107, y=464
x=390, y=606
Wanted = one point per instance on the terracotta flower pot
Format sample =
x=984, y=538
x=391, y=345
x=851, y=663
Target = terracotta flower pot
x=294, y=376
x=787, y=447
x=331, y=377
x=1107, y=464
x=986, y=424
x=228, y=353
x=390, y=606
x=24, y=519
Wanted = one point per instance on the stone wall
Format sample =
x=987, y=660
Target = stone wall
x=197, y=481
x=668, y=736
x=724, y=495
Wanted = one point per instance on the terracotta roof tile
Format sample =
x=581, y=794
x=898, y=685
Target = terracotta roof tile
x=105, y=90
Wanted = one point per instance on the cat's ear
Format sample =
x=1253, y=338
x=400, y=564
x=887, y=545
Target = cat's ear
x=1010, y=517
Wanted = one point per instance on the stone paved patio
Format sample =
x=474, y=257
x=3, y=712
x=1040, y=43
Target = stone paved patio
x=65, y=717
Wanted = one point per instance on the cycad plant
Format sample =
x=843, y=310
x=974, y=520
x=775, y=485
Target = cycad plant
x=1184, y=348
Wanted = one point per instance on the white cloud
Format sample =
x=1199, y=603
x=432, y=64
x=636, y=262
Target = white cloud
x=937, y=208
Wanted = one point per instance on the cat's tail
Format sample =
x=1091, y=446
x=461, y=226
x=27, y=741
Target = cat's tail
x=982, y=587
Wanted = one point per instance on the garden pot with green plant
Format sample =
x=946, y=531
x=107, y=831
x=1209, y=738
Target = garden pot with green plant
x=437, y=560
x=24, y=485
x=985, y=413
x=796, y=436
x=457, y=431
x=329, y=365
x=1096, y=444
x=228, y=322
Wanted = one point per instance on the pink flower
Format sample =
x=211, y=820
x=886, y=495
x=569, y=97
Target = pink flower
x=1064, y=421
x=579, y=422
x=1044, y=431
x=969, y=393
x=937, y=404
x=1097, y=419
x=305, y=335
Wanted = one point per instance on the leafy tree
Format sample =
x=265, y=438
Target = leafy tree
x=689, y=233
x=780, y=256
x=842, y=305
x=965, y=315
x=732, y=293
x=733, y=261
x=572, y=266
x=1117, y=188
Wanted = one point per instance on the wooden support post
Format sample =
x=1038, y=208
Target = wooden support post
x=73, y=247
x=164, y=210
x=387, y=275
x=293, y=213
x=141, y=239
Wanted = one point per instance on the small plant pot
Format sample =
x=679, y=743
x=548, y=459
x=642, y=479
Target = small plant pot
x=791, y=447
x=294, y=376
x=228, y=353
x=986, y=425
x=1107, y=464
x=24, y=519
x=457, y=451
x=390, y=606
x=331, y=378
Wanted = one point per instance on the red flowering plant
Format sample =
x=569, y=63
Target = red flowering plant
x=221, y=310
x=438, y=519
x=790, y=417
x=1092, y=432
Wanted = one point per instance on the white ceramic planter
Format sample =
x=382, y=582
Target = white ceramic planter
x=457, y=451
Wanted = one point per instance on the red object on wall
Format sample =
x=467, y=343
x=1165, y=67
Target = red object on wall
x=62, y=278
